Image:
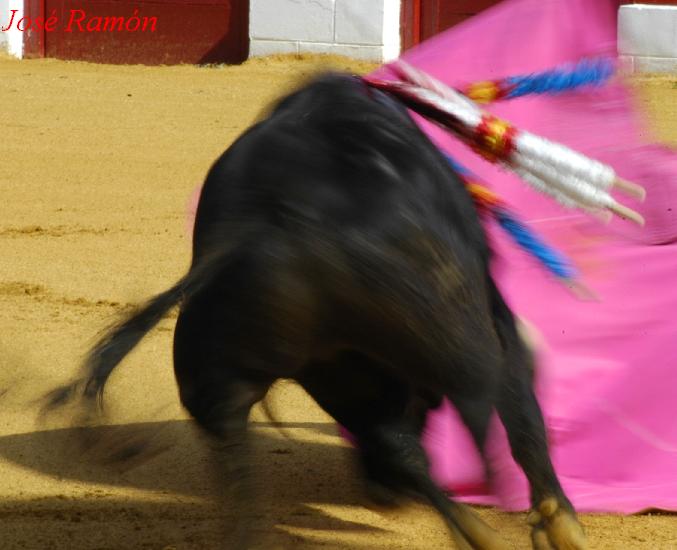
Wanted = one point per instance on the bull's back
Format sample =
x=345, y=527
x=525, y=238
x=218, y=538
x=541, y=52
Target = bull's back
x=330, y=158
x=348, y=214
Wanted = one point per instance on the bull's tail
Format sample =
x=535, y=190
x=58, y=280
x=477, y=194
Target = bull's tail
x=122, y=337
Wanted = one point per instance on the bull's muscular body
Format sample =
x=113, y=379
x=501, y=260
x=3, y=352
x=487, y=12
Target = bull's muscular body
x=335, y=246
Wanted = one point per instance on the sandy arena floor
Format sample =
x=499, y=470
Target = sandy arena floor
x=98, y=163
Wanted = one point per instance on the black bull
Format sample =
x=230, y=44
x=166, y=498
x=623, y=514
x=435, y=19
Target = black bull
x=335, y=246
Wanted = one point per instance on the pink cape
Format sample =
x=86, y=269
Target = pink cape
x=607, y=374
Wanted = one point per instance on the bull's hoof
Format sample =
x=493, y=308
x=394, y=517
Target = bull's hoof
x=555, y=528
x=471, y=532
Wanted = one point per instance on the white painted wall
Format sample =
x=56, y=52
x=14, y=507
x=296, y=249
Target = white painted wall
x=363, y=29
x=647, y=37
x=4, y=11
x=11, y=40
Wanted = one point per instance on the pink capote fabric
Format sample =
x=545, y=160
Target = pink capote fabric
x=607, y=373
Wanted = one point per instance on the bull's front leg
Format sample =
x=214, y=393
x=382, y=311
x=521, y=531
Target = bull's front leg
x=553, y=519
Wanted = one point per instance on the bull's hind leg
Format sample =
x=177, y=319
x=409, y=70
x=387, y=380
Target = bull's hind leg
x=218, y=391
x=386, y=420
x=553, y=518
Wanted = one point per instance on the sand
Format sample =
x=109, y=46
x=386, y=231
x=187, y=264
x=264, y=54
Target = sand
x=98, y=164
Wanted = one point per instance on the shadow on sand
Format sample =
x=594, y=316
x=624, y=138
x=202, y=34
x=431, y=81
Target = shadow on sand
x=148, y=485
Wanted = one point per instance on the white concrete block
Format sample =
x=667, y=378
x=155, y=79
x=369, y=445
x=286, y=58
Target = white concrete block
x=260, y=48
x=647, y=30
x=354, y=51
x=4, y=18
x=359, y=22
x=391, y=30
x=15, y=37
x=4, y=14
x=654, y=64
x=310, y=20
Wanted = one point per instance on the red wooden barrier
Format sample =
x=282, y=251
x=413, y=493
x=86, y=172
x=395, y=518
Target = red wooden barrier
x=422, y=19
x=185, y=31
